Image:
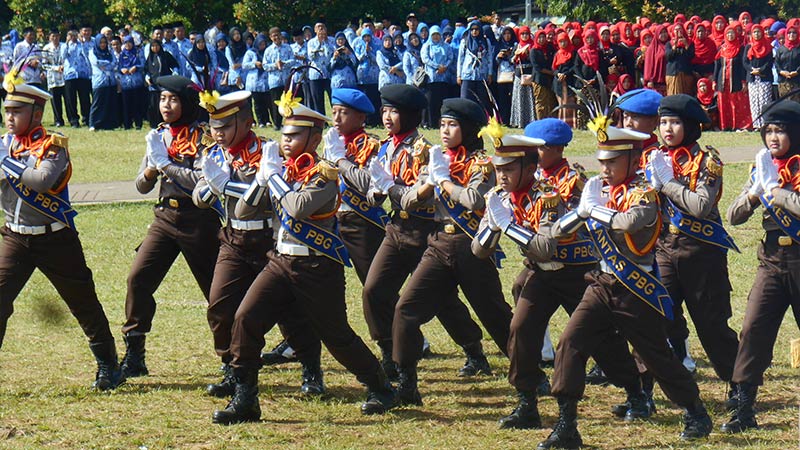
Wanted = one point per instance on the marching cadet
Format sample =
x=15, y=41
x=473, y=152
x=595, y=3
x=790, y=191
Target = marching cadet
x=692, y=251
x=230, y=169
x=774, y=183
x=457, y=182
x=39, y=231
x=623, y=221
x=174, y=154
x=395, y=172
x=305, y=271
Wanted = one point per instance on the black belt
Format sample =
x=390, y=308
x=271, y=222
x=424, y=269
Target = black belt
x=176, y=203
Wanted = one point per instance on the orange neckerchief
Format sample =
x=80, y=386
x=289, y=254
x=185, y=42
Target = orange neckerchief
x=246, y=158
x=521, y=201
x=460, y=164
x=184, y=141
x=34, y=143
x=621, y=201
x=558, y=176
x=399, y=165
x=690, y=168
x=785, y=175
x=301, y=168
x=358, y=146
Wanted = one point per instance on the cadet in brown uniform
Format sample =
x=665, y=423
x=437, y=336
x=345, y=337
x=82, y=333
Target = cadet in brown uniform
x=305, y=270
x=458, y=187
x=394, y=173
x=174, y=154
x=692, y=249
x=623, y=222
x=230, y=172
x=775, y=184
x=39, y=232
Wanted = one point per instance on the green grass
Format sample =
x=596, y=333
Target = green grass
x=46, y=369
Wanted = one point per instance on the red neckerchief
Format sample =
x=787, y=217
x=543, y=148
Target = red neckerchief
x=460, y=164
x=348, y=138
x=398, y=139
x=785, y=175
x=357, y=149
x=184, y=141
x=618, y=195
x=33, y=142
x=301, y=168
x=550, y=172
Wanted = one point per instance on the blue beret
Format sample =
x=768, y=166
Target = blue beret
x=644, y=102
x=352, y=98
x=552, y=131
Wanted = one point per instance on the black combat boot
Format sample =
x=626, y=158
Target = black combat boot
x=109, y=373
x=476, y=363
x=697, y=422
x=565, y=434
x=543, y=390
x=389, y=366
x=381, y=396
x=732, y=402
x=133, y=362
x=745, y=415
x=525, y=415
x=244, y=406
x=648, y=383
x=407, y=392
x=312, y=378
x=226, y=387
x=596, y=376
x=281, y=354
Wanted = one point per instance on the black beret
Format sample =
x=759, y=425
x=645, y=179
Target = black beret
x=684, y=106
x=784, y=112
x=403, y=96
x=464, y=109
x=175, y=83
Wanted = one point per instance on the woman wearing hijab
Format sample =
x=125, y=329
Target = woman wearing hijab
x=201, y=58
x=679, y=52
x=343, y=64
x=564, y=79
x=256, y=79
x=624, y=84
x=159, y=63
x=412, y=60
x=390, y=63
x=475, y=66
x=588, y=64
x=707, y=99
x=542, y=60
x=718, y=26
x=504, y=53
x=705, y=52
x=758, y=64
x=131, y=79
x=645, y=39
x=787, y=63
x=488, y=34
x=368, y=72
x=235, y=54
x=223, y=65
x=522, y=106
x=102, y=115
x=730, y=80
x=437, y=57
x=655, y=62
x=423, y=32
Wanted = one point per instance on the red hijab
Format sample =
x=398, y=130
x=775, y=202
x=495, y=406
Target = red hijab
x=759, y=48
x=590, y=54
x=655, y=59
x=605, y=44
x=543, y=46
x=746, y=15
x=620, y=89
x=791, y=44
x=705, y=50
x=708, y=97
x=718, y=36
x=731, y=47
x=563, y=55
x=629, y=41
x=678, y=31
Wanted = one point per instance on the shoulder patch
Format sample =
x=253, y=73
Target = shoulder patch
x=642, y=194
x=550, y=200
x=483, y=163
x=713, y=162
x=420, y=150
x=327, y=170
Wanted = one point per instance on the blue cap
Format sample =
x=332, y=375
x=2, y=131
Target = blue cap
x=552, y=131
x=352, y=98
x=644, y=102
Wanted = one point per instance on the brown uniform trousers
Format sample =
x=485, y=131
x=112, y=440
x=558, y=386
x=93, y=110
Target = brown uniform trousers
x=608, y=306
x=776, y=287
x=184, y=229
x=315, y=285
x=242, y=256
x=59, y=255
x=448, y=263
x=696, y=273
x=362, y=240
x=398, y=256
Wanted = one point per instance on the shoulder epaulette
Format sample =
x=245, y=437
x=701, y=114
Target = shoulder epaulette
x=59, y=140
x=550, y=199
x=642, y=194
x=483, y=162
x=713, y=161
x=420, y=149
x=327, y=170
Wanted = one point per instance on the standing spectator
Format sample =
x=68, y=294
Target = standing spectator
x=705, y=52
x=235, y=54
x=158, y=63
x=655, y=62
x=679, y=52
x=277, y=63
x=156, y=35
x=256, y=79
x=758, y=62
x=707, y=99
x=211, y=33
x=201, y=59
x=474, y=65
x=367, y=73
x=522, y=106
x=54, y=53
x=412, y=60
x=505, y=72
x=320, y=51
x=32, y=72
x=588, y=64
x=730, y=83
x=390, y=62
x=170, y=46
x=223, y=65
x=718, y=25
x=184, y=46
x=611, y=56
x=104, y=87
x=131, y=78
x=542, y=59
x=300, y=77
x=787, y=63
x=343, y=64
x=73, y=60
x=564, y=63
x=645, y=39
x=437, y=57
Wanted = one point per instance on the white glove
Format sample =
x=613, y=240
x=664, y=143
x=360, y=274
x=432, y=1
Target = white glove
x=438, y=165
x=661, y=165
x=501, y=215
x=334, y=146
x=591, y=196
x=654, y=180
x=271, y=163
x=156, y=150
x=766, y=172
x=5, y=144
x=381, y=179
x=215, y=176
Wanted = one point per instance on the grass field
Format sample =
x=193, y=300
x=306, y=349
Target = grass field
x=46, y=369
